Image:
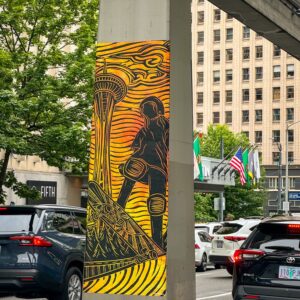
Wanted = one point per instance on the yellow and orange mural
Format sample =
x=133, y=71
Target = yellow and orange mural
x=128, y=174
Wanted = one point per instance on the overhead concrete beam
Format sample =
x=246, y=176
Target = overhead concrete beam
x=273, y=19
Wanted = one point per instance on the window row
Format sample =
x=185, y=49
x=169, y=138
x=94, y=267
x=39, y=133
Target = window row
x=290, y=71
x=273, y=181
x=258, y=94
x=258, y=117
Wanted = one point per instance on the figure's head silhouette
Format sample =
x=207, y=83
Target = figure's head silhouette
x=151, y=107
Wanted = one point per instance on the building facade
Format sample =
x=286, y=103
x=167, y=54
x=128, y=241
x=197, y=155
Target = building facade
x=242, y=80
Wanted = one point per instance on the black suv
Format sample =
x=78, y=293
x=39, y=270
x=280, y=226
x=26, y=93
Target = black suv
x=41, y=251
x=267, y=266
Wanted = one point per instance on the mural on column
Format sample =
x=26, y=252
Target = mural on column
x=128, y=174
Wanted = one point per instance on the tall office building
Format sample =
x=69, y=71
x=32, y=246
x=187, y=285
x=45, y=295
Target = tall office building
x=243, y=80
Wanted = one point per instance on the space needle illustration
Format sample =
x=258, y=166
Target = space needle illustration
x=109, y=89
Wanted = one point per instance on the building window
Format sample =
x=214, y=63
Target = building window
x=217, y=35
x=258, y=73
x=246, y=32
x=276, y=93
x=228, y=117
x=290, y=70
x=228, y=94
x=200, y=98
x=246, y=53
x=228, y=75
x=199, y=119
x=276, y=136
x=216, y=56
x=258, y=136
x=217, y=15
x=229, y=34
x=216, y=117
x=245, y=116
x=246, y=74
x=229, y=55
x=200, y=17
x=200, y=1
x=276, y=72
x=216, y=97
x=290, y=92
x=291, y=135
x=245, y=95
x=290, y=114
x=246, y=133
x=276, y=51
x=291, y=157
x=258, y=115
x=200, y=37
x=275, y=158
x=200, y=77
x=259, y=51
x=258, y=94
x=273, y=183
x=276, y=114
x=258, y=36
x=229, y=17
x=200, y=58
x=216, y=76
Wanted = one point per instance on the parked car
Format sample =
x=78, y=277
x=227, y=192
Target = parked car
x=42, y=251
x=229, y=238
x=210, y=227
x=267, y=266
x=202, y=249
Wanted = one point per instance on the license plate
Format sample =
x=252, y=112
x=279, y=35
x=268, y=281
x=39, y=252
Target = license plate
x=286, y=272
x=219, y=244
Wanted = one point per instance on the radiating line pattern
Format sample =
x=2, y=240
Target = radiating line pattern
x=145, y=68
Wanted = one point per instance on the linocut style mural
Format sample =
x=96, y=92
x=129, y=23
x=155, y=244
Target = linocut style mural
x=128, y=174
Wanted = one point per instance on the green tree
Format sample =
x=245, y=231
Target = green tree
x=47, y=51
x=241, y=201
x=204, y=210
x=211, y=140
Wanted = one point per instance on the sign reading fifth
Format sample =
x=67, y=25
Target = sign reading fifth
x=128, y=174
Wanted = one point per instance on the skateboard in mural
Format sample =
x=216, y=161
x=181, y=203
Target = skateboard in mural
x=115, y=240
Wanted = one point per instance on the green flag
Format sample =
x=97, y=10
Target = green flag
x=245, y=163
x=197, y=152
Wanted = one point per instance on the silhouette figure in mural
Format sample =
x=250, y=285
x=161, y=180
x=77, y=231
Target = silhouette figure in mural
x=148, y=163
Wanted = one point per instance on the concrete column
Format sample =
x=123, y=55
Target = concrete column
x=142, y=20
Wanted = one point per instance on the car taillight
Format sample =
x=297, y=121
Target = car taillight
x=36, y=241
x=294, y=228
x=3, y=208
x=234, y=238
x=197, y=246
x=246, y=254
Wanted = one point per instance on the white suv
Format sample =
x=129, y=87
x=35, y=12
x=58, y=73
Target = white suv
x=229, y=238
x=210, y=227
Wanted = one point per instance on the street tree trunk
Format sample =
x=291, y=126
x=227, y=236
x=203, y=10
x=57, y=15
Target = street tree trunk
x=3, y=173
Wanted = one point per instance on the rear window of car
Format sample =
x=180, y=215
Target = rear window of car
x=229, y=228
x=18, y=220
x=202, y=228
x=275, y=237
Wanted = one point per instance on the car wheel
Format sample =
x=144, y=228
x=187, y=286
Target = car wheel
x=203, y=266
x=72, y=287
x=229, y=268
x=217, y=266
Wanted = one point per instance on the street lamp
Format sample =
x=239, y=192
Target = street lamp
x=286, y=199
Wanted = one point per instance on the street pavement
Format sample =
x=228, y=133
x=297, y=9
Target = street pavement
x=210, y=285
x=213, y=285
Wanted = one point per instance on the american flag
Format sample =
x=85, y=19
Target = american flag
x=237, y=163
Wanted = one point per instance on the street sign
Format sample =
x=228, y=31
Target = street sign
x=294, y=195
x=286, y=205
x=217, y=203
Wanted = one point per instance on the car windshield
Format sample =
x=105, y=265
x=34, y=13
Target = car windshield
x=18, y=220
x=229, y=228
x=275, y=238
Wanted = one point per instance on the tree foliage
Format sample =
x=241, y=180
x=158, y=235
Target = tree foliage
x=46, y=66
x=241, y=201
